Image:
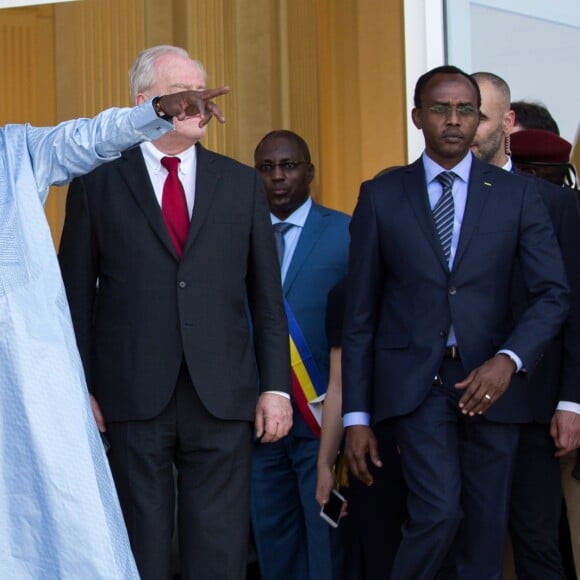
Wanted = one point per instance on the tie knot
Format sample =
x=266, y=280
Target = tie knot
x=170, y=163
x=446, y=179
x=281, y=227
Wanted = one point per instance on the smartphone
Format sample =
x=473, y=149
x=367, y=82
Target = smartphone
x=330, y=512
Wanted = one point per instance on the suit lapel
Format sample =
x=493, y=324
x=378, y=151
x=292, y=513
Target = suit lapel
x=134, y=173
x=480, y=184
x=416, y=190
x=206, y=180
x=313, y=228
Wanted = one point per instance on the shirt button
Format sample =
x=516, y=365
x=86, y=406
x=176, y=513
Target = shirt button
x=452, y=290
x=182, y=284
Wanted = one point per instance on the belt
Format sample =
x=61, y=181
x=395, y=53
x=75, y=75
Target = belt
x=452, y=352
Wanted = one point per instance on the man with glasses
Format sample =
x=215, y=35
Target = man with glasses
x=293, y=542
x=428, y=333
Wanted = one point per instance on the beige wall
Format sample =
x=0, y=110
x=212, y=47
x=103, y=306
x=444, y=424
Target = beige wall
x=331, y=70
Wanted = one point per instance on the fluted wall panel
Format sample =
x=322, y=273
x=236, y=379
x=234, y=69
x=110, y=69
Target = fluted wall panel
x=27, y=66
x=206, y=28
x=331, y=70
x=110, y=33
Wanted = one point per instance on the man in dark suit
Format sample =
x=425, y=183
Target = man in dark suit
x=554, y=386
x=293, y=542
x=161, y=310
x=428, y=336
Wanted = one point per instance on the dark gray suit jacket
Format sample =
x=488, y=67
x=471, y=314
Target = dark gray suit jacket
x=150, y=310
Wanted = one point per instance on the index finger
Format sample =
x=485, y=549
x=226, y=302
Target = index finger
x=270, y=428
x=208, y=94
x=471, y=398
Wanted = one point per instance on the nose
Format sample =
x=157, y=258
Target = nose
x=277, y=174
x=453, y=117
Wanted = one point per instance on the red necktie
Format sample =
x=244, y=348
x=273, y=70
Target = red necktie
x=173, y=204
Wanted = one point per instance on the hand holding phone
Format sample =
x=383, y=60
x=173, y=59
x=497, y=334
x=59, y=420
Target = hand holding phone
x=332, y=510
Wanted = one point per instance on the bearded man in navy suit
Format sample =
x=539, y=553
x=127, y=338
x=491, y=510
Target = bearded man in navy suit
x=554, y=387
x=428, y=336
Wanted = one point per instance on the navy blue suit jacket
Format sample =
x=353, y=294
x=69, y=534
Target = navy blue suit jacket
x=557, y=375
x=319, y=262
x=402, y=298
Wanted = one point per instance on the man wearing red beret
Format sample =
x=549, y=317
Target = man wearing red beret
x=543, y=154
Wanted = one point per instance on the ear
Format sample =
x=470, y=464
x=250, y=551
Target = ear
x=509, y=120
x=311, y=173
x=141, y=98
x=416, y=117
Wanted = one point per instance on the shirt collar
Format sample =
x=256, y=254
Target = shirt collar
x=298, y=216
x=153, y=157
x=433, y=169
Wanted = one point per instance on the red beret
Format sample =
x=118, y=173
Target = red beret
x=538, y=146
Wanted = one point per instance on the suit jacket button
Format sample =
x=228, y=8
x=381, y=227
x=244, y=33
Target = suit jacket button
x=182, y=284
x=443, y=334
x=452, y=290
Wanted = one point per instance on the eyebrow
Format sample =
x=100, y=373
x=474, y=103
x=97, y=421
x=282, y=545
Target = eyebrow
x=188, y=87
x=456, y=104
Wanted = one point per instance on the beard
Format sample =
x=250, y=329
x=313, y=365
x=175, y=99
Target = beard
x=488, y=149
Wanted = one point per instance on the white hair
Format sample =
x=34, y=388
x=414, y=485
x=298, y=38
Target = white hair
x=143, y=72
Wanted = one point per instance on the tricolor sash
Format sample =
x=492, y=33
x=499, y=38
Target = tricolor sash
x=307, y=384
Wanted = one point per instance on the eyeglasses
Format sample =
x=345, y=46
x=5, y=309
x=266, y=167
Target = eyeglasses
x=462, y=110
x=285, y=166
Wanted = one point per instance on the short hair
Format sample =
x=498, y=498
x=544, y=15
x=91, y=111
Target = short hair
x=284, y=134
x=442, y=70
x=143, y=72
x=497, y=83
x=534, y=115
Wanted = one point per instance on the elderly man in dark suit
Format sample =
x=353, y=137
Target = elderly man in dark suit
x=161, y=310
x=428, y=335
x=554, y=389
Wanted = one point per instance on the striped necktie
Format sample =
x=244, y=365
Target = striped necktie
x=444, y=212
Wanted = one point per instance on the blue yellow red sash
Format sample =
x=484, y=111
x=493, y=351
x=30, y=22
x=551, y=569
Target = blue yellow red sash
x=307, y=383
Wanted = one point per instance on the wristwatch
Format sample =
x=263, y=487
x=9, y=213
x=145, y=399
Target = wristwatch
x=159, y=111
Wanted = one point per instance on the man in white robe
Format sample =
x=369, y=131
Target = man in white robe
x=59, y=513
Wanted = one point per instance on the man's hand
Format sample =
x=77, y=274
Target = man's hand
x=273, y=417
x=361, y=440
x=565, y=431
x=99, y=420
x=485, y=385
x=190, y=103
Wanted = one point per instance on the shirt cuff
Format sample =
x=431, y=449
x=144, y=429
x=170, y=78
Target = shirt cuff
x=356, y=418
x=281, y=393
x=568, y=406
x=145, y=120
x=515, y=358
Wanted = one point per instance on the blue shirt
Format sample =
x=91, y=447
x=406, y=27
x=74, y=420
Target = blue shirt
x=297, y=218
